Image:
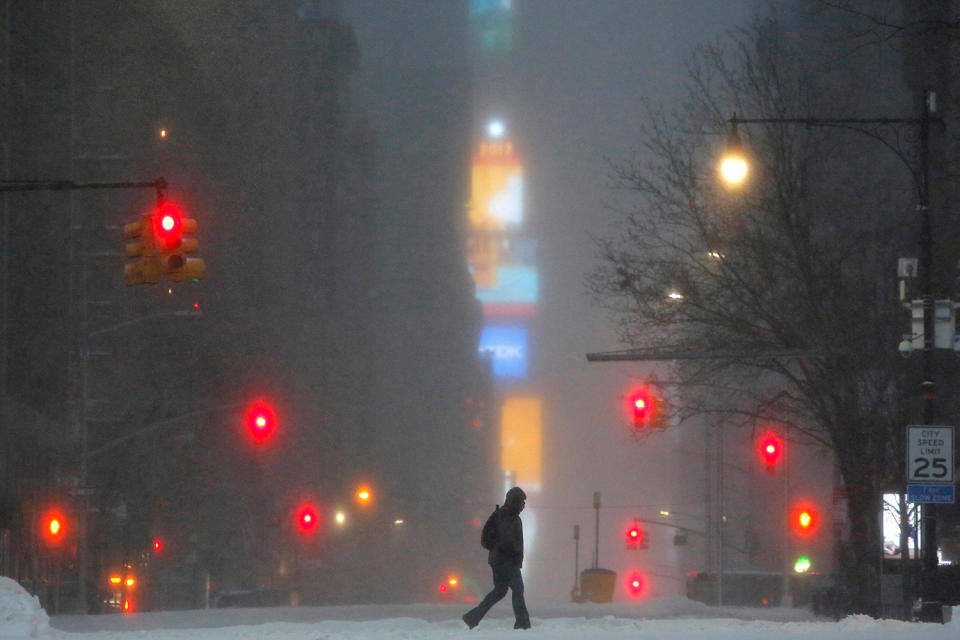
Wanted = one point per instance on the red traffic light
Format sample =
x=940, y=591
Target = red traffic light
x=307, y=519
x=771, y=450
x=261, y=421
x=804, y=519
x=157, y=545
x=642, y=407
x=636, y=537
x=635, y=584
x=53, y=527
x=168, y=226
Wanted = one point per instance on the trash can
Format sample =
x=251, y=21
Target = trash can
x=596, y=585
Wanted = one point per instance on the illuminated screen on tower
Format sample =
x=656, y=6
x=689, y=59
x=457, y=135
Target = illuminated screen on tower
x=496, y=194
x=507, y=348
x=520, y=438
x=493, y=23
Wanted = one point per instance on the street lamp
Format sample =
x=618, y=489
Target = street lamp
x=733, y=164
x=734, y=168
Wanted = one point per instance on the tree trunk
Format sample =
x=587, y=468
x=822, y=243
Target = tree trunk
x=861, y=563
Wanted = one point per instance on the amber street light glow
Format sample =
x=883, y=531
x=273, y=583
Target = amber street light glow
x=733, y=165
x=733, y=169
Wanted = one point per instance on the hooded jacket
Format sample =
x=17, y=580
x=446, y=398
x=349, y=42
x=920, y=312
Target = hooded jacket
x=509, y=547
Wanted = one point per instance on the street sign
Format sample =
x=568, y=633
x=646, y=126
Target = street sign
x=931, y=493
x=929, y=454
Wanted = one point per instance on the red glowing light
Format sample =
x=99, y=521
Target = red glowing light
x=261, y=422
x=642, y=407
x=635, y=584
x=169, y=226
x=307, y=519
x=157, y=545
x=771, y=450
x=53, y=527
x=804, y=519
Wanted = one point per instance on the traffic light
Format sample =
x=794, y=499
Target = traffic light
x=307, y=519
x=364, y=496
x=635, y=584
x=54, y=527
x=804, y=519
x=771, y=451
x=645, y=408
x=159, y=241
x=802, y=564
x=170, y=230
x=636, y=537
x=261, y=422
x=146, y=267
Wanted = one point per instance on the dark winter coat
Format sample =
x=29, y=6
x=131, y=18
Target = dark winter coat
x=509, y=547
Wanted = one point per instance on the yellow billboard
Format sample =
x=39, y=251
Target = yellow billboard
x=496, y=198
x=521, y=440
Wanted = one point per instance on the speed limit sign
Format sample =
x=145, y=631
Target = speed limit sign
x=929, y=454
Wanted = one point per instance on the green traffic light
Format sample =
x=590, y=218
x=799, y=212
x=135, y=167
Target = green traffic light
x=802, y=565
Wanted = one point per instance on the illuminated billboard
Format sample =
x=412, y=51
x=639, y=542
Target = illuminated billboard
x=514, y=292
x=507, y=348
x=520, y=438
x=496, y=197
x=493, y=22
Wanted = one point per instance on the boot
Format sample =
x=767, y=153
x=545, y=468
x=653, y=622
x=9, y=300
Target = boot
x=470, y=622
x=523, y=622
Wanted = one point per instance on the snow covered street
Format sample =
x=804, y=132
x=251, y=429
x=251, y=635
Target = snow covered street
x=664, y=619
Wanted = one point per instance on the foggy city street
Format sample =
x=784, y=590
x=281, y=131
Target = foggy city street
x=294, y=292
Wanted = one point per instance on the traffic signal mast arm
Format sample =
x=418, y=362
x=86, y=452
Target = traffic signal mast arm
x=68, y=185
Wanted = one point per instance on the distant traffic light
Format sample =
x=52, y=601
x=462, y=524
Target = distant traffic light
x=635, y=584
x=364, y=496
x=644, y=408
x=636, y=537
x=261, y=421
x=802, y=564
x=307, y=518
x=771, y=451
x=54, y=527
x=804, y=519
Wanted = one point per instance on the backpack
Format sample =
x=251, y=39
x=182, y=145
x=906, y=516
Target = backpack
x=490, y=535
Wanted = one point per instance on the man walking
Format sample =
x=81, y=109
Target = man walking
x=506, y=558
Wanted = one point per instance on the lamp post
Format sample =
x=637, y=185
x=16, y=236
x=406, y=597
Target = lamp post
x=734, y=169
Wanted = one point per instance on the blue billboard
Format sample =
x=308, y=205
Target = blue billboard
x=507, y=348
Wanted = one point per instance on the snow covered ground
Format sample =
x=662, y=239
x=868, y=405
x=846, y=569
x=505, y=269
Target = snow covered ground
x=667, y=619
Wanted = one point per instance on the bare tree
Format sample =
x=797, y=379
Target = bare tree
x=800, y=259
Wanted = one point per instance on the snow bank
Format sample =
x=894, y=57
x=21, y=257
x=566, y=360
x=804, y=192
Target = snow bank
x=21, y=615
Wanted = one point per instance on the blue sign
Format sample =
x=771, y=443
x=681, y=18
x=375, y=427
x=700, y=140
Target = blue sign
x=507, y=346
x=932, y=493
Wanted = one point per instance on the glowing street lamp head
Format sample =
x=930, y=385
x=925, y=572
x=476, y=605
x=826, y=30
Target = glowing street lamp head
x=496, y=128
x=733, y=169
x=733, y=165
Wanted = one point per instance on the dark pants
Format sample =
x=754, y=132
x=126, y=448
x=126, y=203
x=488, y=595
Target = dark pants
x=504, y=576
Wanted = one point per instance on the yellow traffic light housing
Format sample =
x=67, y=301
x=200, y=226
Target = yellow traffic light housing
x=159, y=242
x=146, y=268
